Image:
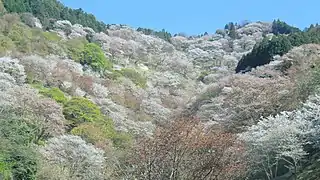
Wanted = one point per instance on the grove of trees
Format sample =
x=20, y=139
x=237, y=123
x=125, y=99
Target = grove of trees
x=163, y=34
x=52, y=10
x=284, y=39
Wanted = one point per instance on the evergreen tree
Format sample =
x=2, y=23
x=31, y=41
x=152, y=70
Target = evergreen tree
x=53, y=9
x=232, y=31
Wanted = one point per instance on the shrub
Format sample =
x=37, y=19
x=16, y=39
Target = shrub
x=51, y=36
x=91, y=132
x=24, y=46
x=127, y=100
x=28, y=19
x=95, y=131
x=122, y=140
x=6, y=44
x=19, y=32
x=53, y=93
x=2, y=9
x=17, y=158
x=21, y=36
x=93, y=56
x=8, y=21
x=203, y=75
x=114, y=75
x=79, y=110
x=43, y=114
x=48, y=171
x=134, y=76
x=75, y=47
x=100, y=132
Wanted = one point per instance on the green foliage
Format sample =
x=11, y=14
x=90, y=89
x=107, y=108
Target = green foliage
x=309, y=83
x=42, y=43
x=51, y=36
x=54, y=93
x=17, y=158
x=114, y=75
x=232, y=31
x=21, y=35
x=2, y=9
x=46, y=10
x=6, y=44
x=99, y=132
x=79, y=110
x=122, y=140
x=311, y=170
x=19, y=32
x=5, y=167
x=263, y=52
x=18, y=6
x=280, y=27
x=163, y=34
x=134, y=76
x=27, y=19
x=90, y=132
x=93, y=56
x=221, y=32
x=75, y=47
x=95, y=131
x=203, y=75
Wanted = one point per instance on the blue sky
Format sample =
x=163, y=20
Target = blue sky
x=198, y=16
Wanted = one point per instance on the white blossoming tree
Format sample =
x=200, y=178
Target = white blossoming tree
x=82, y=161
x=278, y=141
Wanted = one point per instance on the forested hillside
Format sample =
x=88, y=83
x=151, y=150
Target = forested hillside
x=49, y=11
x=82, y=100
x=285, y=38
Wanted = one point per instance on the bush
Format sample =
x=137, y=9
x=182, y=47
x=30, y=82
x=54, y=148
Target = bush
x=28, y=19
x=17, y=158
x=79, y=110
x=91, y=132
x=19, y=32
x=134, y=76
x=127, y=100
x=75, y=47
x=203, y=75
x=45, y=43
x=100, y=132
x=95, y=131
x=8, y=20
x=122, y=140
x=51, y=36
x=93, y=56
x=42, y=114
x=21, y=36
x=6, y=44
x=309, y=83
x=2, y=9
x=53, y=93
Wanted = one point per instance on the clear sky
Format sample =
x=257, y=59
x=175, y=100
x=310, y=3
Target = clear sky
x=198, y=16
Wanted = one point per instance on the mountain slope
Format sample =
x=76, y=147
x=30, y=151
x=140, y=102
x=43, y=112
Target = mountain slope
x=113, y=97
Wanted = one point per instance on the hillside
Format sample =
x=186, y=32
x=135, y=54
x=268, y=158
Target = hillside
x=80, y=99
